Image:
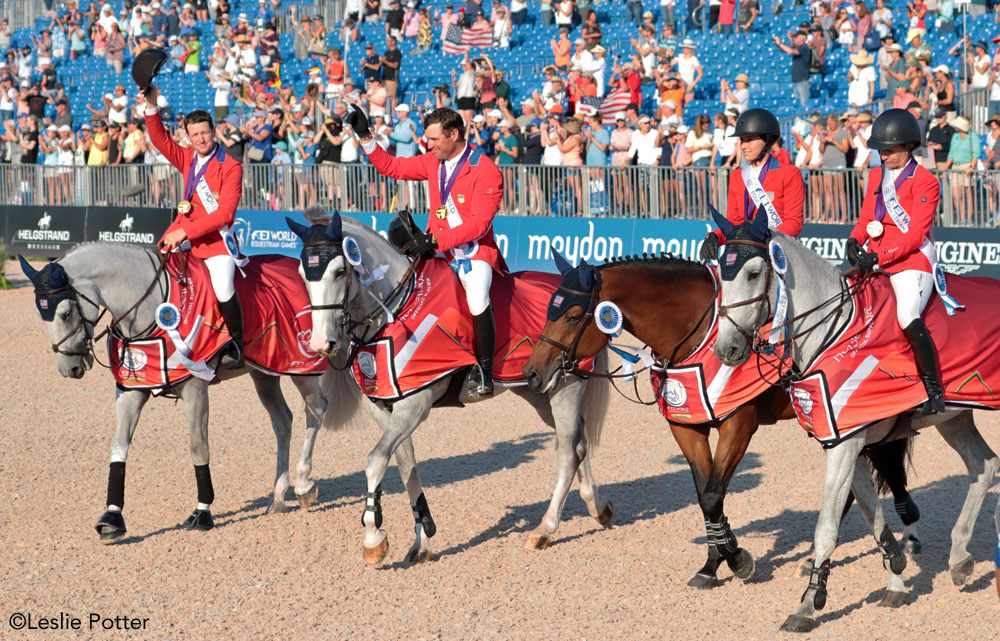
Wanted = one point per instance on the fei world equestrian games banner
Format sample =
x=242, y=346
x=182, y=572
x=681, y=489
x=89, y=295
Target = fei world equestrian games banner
x=526, y=242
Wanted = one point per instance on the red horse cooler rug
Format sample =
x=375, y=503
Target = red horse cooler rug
x=701, y=389
x=190, y=330
x=869, y=374
x=432, y=336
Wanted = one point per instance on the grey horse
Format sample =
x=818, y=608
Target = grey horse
x=812, y=283
x=575, y=407
x=114, y=276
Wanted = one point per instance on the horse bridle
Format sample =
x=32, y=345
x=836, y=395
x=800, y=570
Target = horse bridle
x=762, y=298
x=569, y=363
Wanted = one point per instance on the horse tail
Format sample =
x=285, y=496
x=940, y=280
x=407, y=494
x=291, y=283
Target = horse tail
x=890, y=461
x=346, y=406
x=596, y=399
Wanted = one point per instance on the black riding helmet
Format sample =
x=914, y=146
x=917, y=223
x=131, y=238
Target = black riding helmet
x=402, y=230
x=894, y=127
x=146, y=65
x=758, y=122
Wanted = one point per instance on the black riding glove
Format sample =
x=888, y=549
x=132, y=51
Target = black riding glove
x=710, y=247
x=424, y=244
x=359, y=122
x=857, y=256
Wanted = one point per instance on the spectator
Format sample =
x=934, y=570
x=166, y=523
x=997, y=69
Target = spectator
x=962, y=157
x=916, y=10
x=280, y=156
x=115, y=48
x=563, y=10
x=501, y=26
x=863, y=27
x=378, y=99
x=991, y=150
x=232, y=138
x=317, y=39
x=863, y=155
x=63, y=117
x=134, y=143
x=300, y=44
x=747, y=16
x=394, y=18
x=895, y=70
x=672, y=92
x=371, y=65
x=994, y=87
x=192, y=53
x=727, y=9
x=114, y=143
x=411, y=21
x=946, y=16
x=624, y=78
x=77, y=41
x=99, y=148
x=449, y=17
x=597, y=139
x=223, y=88
x=861, y=79
x=260, y=132
x=688, y=68
x=739, y=98
x=391, y=61
x=944, y=90
x=506, y=145
x=699, y=142
x=724, y=151
x=465, y=90
x=903, y=97
x=5, y=34
x=591, y=31
x=800, y=64
x=645, y=46
x=882, y=19
x=545, y=12
x=372, y=10
x=561, y=49
x=404, y=133
x=939, y=138
x=424, y=33
x=635, y=11
x=174, y=20
x=979, y=65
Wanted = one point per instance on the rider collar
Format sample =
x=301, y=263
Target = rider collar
x=51, y=288
x=576, y=288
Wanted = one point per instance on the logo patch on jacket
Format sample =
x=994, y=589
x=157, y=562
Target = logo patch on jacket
x=461, y=199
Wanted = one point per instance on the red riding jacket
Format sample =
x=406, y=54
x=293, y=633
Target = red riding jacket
x=785, y=188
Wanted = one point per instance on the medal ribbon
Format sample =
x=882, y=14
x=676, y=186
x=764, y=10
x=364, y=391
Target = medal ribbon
x=193, y=178
x=755, y=192
x=886, y=200
x=445, y=187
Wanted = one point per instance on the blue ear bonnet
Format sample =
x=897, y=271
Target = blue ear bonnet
x=320, y=244
x=51, y=288
x=735, y=256
x=576, y=288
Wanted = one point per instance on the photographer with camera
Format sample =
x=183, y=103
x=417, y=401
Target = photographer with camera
x=799, y=51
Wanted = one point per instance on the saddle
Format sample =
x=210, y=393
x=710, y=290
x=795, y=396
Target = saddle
x=190, y=330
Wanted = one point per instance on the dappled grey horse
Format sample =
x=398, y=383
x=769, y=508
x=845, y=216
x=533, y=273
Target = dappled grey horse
x=813, y=286
x=343, y=307
x=114, y=277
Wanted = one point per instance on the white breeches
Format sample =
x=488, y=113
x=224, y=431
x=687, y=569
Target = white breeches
x=477, y=286
x=222, y=270
x=913, y=289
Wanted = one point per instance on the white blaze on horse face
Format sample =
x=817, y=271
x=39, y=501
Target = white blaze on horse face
x=731, y=346
x=329, y=290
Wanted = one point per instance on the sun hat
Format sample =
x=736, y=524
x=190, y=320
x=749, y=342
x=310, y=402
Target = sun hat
x=688, y=43
x=865, y=116
x=942, y=69
x=619, y=115
x=862, y=58
x=479, y=118
x=961, y=123
x=898, y=48
x=742, y=78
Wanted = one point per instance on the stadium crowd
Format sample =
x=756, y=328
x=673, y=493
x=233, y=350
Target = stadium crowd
x=563, y=122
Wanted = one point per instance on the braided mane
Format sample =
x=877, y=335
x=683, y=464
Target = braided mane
x=663, y=259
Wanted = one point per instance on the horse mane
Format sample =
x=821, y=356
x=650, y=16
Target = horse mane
x=663, y=260
x=86, y=245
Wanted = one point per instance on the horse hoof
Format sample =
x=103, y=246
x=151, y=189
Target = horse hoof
x=308, y=498
x=608, y=513
x=913, y=545
x=799, y=624
x=960, y=572
x=277, y=507
x=745, y=565
x=703, y=582
x=537, y=542
x=199, y=520
x=375, y=555
x=419, y=556
x=894, y=599
x=111, y=526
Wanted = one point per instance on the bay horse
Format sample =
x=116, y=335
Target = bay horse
x=813, y=286
x=345, y=309
x=112, y=276
x=665, y=302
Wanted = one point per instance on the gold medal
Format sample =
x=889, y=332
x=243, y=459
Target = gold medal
x=874, y=229
x=441, y=212
x=184, y=206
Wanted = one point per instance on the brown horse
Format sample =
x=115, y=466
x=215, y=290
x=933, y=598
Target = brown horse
x=666, y=303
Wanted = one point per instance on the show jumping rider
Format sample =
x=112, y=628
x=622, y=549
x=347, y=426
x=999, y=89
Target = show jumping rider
x=466, y=190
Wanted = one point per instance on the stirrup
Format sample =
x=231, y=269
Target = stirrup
x=233, y=358
x=933, y=405
x=477, y=383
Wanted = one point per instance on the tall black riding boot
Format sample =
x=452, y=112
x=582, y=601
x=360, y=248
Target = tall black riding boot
x=481, y=378
x=232, y=313
x=925, y=355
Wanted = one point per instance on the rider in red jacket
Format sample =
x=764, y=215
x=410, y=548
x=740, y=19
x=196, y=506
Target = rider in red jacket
x=779, y=188
x=895, y=222
x=213, y=185
x=466, y=190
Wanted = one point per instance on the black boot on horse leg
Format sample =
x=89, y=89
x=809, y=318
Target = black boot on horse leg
x=111, y=525
x=232, y=312
x=201, y=518
x=926, y=357
x=481, y=377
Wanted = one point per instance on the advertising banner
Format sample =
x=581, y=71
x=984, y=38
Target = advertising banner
x=44, y=231
x=135, y=225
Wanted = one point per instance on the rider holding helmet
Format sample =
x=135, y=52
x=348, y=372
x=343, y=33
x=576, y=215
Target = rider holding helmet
x=465, y=191
x=895, y=222
x=762, y=184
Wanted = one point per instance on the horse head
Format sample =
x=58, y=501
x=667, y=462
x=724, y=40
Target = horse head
x=326, y=274
x=57, y=304
x=569, y=334
x=746, y=277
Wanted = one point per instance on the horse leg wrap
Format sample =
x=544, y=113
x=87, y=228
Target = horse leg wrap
x=422, y=515
x=721, y=536
x=817, y=581
x=116, y=484
x=373, y=504
x=203, y=476
x=893, y=558
x=907, y=510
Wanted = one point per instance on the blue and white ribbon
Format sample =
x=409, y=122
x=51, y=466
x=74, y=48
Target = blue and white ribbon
x=941, y=285
x=609, y=318
x=780, y=263
x=168, y=318
x=630, y=357
x=461, y=265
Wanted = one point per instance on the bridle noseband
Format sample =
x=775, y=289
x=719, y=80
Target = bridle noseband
x=762, y=298
x=82, y=321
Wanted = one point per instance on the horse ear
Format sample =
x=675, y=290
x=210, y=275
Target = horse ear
x=335, y=230
x=586, y=275
x=758, y=229
x=561, y=263
x=299, y=229
x=28, y=270
x=725, y=226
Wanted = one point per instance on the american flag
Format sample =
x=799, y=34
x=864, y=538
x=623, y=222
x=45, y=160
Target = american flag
x=615, y=101
x=459, y=39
